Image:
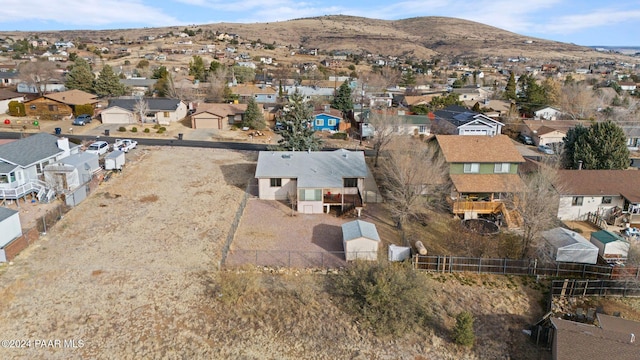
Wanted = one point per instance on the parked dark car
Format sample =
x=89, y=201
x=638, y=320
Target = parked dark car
x=525, y=139
x=278, y=127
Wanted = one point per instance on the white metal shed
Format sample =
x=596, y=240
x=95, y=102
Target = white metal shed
x=611, y=247
x=360, y=240
x=568, y=246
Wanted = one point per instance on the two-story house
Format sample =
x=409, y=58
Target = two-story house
x=458, y=120
x=483, y=171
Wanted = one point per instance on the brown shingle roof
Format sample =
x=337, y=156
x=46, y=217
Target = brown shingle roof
x=543, y=130
x=7, y=94
x=600, y=183
x=221, y=110
x=477, y=148
x=250, y=90
x=560, y=125
x=73, y=97
x=487, y=183
x=581, y=341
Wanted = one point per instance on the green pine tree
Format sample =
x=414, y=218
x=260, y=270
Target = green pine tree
x=298, y=134
x=253, y=117
x=80, y=77
x=197, y=68
x=342, y=99
x=510, y=89
x=602, y=146
x=108, y=83
x=463, y=332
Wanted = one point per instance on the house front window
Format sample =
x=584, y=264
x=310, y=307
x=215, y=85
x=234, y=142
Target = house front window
x=501, y=168
x=166, y=114
x=607, y=199
x=471, y=168
x=577, y=201
x=319, y=122
x=350, y=182
x=331, y=122
x=310, y=194
x=422, y=129
x=276, y=182
x=53, y=107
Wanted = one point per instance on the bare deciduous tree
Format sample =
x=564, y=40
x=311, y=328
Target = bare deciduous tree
x=536, y=204
x=413, y=177
x=577, y=101
x=38, y=74
x=217, y=85
x=141, y=108
x=386, y=127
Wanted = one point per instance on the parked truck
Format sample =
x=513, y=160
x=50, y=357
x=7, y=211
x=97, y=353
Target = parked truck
x=124, y=145
x=114, y=161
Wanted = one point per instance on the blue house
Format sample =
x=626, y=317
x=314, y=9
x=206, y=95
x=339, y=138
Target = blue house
x=327, y=120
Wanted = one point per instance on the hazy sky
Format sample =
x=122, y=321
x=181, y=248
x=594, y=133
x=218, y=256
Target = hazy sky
x=583, y=22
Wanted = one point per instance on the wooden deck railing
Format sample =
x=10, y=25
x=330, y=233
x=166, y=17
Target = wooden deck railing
x=481, y=207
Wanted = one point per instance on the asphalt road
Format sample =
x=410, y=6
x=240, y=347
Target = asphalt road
x=171, y=142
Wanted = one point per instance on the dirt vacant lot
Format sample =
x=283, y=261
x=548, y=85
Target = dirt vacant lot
x=123, y=270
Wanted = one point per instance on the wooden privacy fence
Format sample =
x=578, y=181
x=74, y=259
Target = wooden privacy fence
x=451, y=264
x=587, y=287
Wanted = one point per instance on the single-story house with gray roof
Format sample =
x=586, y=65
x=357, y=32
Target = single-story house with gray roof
x=314, y=180
x=162, y=111
x=360, y=240
x=22, y=164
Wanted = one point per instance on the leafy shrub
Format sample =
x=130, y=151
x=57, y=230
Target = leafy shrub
x=16, y=108
x=387, y=297
x=339, y=135
x=134, y=129
x=146, y=130
x=122, y=129
x=156, y=126
x=162, y=129
x=83, y=109
x=463, y=331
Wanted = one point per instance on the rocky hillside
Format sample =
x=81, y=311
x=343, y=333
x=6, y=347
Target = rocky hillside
x=421, y=37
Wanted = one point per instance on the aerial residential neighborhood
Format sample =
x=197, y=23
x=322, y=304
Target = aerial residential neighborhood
x=202, y=192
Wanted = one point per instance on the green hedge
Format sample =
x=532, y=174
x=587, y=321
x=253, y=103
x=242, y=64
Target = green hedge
x=16, y=108
x=83, y=109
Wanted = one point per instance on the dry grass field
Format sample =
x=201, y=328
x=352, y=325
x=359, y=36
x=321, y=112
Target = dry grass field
x=132, y=273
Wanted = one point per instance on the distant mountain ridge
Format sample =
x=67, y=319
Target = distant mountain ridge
x=418, y=37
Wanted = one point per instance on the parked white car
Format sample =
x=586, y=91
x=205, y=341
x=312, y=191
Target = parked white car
x=125, y=145
x=98, y=147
